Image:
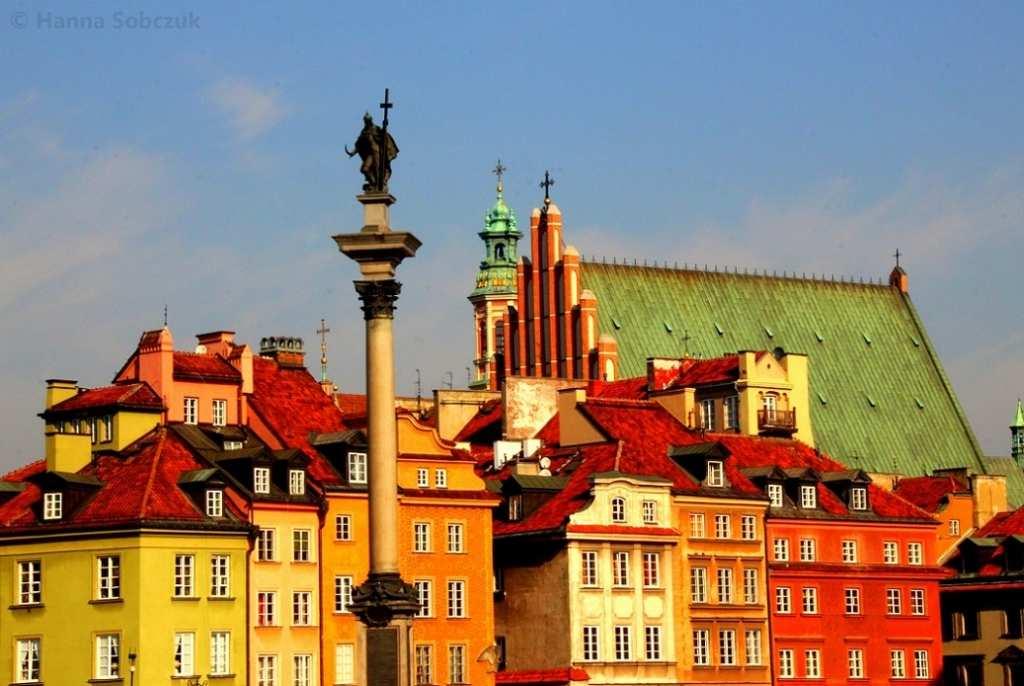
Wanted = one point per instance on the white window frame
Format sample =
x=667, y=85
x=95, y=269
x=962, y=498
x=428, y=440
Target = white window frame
x=812, y=663
x=344, y=663
x=620, y=568
x=915, y=553
x=748, y=528
x=302, y=669
x=897, y=664
x=302, y=608
x=707, y=414
x=220, y=576
x=893, y=601
x=266, y=670
x=588, y=568
x=731, y=412
x=302, y=545
x=917, y=602
x=808, y=496
x=296, y=482
x=220, y=412
x=809, y=600
x=701, y=647
x=808, y=550
x=27, y=660
x=698, y=525
x=723, y=526
x=780, y=549
x=859, y=498
x=652, y=642
x=652, y=570
x=425, y=596
x=343, y=584
x=786, y=664
x=699, y=584
x=456, y=538
x=456, y=598
x=220, y=653
x=184, y=575
x=623, y=642
x=421, y=537
x=108, y=428
x=783, y=600
x=855, y=663
x=776, y=496
x=954, y=527
x=849, y=553
x=890, y=552
x=53, y=505
x=424, y=661
x=922, y=670
x=851, y=600
x=752, y=647
x=618, y=508
x=591, y=643
x=190, y=410
x=724, y=585
x=261, y=480
x=30, y=582
x=422, y=478
x=440, y=478
x=107, y=656
x=266, y=608
x=650, y=512
x=715, y=474
x=456, y=663
x=185, y=646
x=266, y=545
x=108, y=577
x=750, y=586
x=214, y=502
x=727, y=647
x=357, y=468
x=343, y=527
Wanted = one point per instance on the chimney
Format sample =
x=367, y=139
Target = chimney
x=573, y=427
x=156, y=361
x=59, y=390
x=216, y=343
x=285, y=350
x=661, y=371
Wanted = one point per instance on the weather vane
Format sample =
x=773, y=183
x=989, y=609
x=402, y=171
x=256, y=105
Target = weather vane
x=376, y=148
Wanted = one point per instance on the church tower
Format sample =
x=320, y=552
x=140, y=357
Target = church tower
x=1017, y=434
x=495, y=290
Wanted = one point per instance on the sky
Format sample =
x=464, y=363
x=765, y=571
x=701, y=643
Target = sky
x=201, y=167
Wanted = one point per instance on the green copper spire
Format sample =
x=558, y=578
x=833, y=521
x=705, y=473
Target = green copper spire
x=1017, y=434
x=1018, y=420
x=497, y=274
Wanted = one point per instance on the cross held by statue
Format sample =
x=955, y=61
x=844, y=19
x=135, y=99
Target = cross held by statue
x=386, y=105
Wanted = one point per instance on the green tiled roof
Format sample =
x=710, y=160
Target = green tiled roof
x=879, y=398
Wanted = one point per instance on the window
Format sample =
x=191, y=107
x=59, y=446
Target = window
x=108, y=656
x=620, y=568
x=808, y=496
x=266, y=608
x=775, y=495
x=233, y=445
x=623, y=643
x=748, y=527
x=421, y=537
x=697, y=527
x=214, y=503
x=783, y=600
x=357, y=468
x=897, y=664
x=753, y=646
x=652, y=572
x=422, y=478
x=515, y=508
x=809, y=600
x=701, y=656
x=650, y=509
x=591, y=643
x=108, y=577
x=53, y=505
x=731, y=410
x=220, y=576
x=921, y=670
x=893, y=601
x=220, y=652
x=890, y=553
x=849, y=551
x=261, y=480
x=296, y=482
x=786, y=664
x=343, y=528
x=184, y=654
x=588, y=568
x=812, y=664
x=652, y=642
x=456, y=664
x=300, y=545
x=191, y=411
x=915, y=553
x=707, y=415
x=424, y=665
x=456, y=599
x=343, y=593
x=618, y=510
x=808, y=550
x=917, y=601
x=954, y=527
x=727, y=647
x=424, y=593
x=184, y=576
x=750, y=586
x=855, y=663
x=964, y=625
x=30, y=582
x=723, y=526
x=266, y=545
x=724, y=585
x=780, y=549
x=858, y=500
x=220, y=412
x=302, y=666
x=93, y=430
x=455, y=538
x=441, y=478
x=108, y=428
x=344, y=663
x=301, y=603
x=716, y=474
x=851, y=601
x=699, y=584
x=27, y=667
x=266, y=670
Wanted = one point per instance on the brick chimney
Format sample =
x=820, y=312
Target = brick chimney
x=216, y=343
x=287, y=351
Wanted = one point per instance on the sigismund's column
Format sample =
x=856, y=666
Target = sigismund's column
x=383, y=602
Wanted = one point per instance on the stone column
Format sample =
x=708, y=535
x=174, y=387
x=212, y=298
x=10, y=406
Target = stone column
x=383, y=602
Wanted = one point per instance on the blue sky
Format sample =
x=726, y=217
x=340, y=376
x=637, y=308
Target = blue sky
x=202, y=167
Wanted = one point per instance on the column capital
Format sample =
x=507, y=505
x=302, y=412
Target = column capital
x=383, y=597
x=378, y=298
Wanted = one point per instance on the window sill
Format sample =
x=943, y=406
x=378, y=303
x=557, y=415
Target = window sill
x=106, y=601
x=27, y=606
x=185, y=676
x=220, y=676
x=107, y=680
x=186, y=598
x=220, y=597
x=304, y=563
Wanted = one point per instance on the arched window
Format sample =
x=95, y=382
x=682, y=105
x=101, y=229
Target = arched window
x=499, y=251
x=618, y=510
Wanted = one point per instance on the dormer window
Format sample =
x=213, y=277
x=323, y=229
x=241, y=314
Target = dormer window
x=441, y=478
x=296, y=482
x=53, y=506
x=858, y=498
x=357, y=468
x=214, y=503
x=108, y=428
x=650, y=512
x=422, y=478
x=261, y=480
x=808, y=496
x=220, y=412
x=191, y=411
x=618, y=510
x=515, y=508
x=707, y=415
x=93, y=430
x=775, y=495
x=716, y=474
x=232, y=445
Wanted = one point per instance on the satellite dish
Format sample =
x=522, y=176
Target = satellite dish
x=201, y=349
x=545, y=462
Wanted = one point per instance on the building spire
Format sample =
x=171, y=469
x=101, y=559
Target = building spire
x=499, y=171
x=1017, y=434
x=322, y=332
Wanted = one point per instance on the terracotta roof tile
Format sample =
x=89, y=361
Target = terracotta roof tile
x=353, y=404
x=928, y=492
x=1003, y=524
x=485, y=425
x=203, y=367
x=542, y=676
x=130, y=395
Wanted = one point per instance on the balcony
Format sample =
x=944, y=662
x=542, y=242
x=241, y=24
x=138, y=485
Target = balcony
x=776, y=422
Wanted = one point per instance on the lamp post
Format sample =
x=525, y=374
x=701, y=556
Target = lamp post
x=131, y=668
x=384, y=602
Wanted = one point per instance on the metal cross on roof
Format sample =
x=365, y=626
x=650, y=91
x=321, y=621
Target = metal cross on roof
x=897, y=256
x=165, y=316
x=686, y=342
x=386, y=105
x=546, y=184
x=322, y=332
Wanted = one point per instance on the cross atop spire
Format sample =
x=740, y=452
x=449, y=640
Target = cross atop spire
x=322, y=332
x=165, y=315
x=897, y=255
x=499, y=171
x=546, y=184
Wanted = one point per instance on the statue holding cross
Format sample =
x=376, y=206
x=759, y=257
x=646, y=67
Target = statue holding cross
x=376, y=148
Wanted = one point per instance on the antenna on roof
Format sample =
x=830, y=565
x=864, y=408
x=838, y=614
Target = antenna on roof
x=165, y=315
x=419, y=391
x=448, y=380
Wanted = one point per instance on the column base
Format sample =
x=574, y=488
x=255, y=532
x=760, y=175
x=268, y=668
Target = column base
x=389, y=654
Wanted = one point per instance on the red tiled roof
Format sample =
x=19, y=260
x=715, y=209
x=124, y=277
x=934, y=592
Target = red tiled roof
x=139, y=484
x=691, y=372
x=634, y=388
x=131, y=395
x=709, y=371
x=204, y=367
x=561, y=675
x=294, y=405
x=1003, y=524
x=928, y=492
x=620, y=530
x=489, y=416
x=353, y=404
